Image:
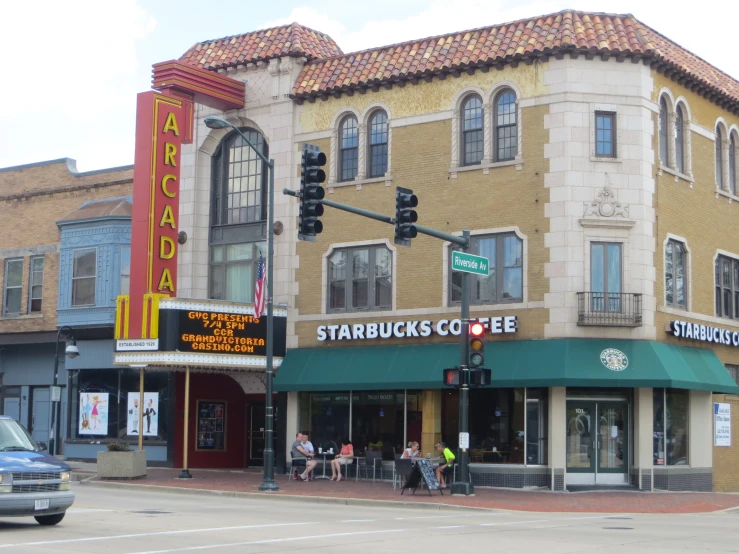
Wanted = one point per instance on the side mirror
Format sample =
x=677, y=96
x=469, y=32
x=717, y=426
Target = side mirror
x=43, y=446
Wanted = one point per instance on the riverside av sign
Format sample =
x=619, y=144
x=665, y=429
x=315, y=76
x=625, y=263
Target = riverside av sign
x=469, y=263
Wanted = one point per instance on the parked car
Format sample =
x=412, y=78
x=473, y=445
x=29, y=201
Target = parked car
x=32, y=483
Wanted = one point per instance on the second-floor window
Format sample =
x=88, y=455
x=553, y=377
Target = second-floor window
x=360, y=279
x=675, y=274
x=13, y=286
x=84, y=277
x=504, y=282
x=36, y=285
x=506, y=135
x=125, y=270
x=378, y=141
x=664, y=151
x=605, y=134
x=233, y=268
x=719, y=158
x=472, y=133
x=727, y=287
x=605, y=276
x=348, y=149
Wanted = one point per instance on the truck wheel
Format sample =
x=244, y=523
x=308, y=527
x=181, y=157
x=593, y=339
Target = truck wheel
x=50, y=520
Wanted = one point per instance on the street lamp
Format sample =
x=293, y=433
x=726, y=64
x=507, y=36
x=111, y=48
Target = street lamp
x=71, y=352
x=268, y=483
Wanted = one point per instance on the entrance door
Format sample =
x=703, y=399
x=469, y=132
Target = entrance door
x=12, y=408
x=597, y=443
x=255, y=439
x=41, y=414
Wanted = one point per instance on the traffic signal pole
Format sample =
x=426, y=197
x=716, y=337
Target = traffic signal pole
x=463, y=485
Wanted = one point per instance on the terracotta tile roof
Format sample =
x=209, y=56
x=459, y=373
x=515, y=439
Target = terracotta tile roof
x=288, y=40
x=95, y=209
x=577, y=33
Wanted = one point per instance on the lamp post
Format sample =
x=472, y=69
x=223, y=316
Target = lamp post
x=268, y=483
x=71, y=352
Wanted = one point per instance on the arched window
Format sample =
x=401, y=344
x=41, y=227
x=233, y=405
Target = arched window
x=719, y=158
x=732, y=164
x=472, y=134
x=348, y=149
x=378, y=140
x=664, y=151
x=506, y=130
x=679, y=140
x=239, y=180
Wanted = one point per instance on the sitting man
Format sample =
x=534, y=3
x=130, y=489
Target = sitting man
x=308, y=447
x=301, y=457
x=445, y=469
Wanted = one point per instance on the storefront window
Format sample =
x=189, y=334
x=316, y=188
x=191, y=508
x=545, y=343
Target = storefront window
x=107, y=412
x=377, y=419
x=537, y=424
x=671, y=409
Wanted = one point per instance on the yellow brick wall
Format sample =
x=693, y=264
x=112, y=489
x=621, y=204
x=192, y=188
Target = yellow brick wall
x=32, y=200
x=421, y=154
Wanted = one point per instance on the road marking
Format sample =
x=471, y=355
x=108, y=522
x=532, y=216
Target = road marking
x=271, y=541
x=450, y=527
x=157, y=534
x=514, y=522
x=486, y=514
x=357, y=520
x=86, y=510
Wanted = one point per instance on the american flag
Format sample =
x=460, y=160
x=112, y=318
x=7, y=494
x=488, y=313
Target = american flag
x=259, y=289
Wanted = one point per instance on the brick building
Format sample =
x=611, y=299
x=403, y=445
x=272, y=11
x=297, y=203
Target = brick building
x=33, y=198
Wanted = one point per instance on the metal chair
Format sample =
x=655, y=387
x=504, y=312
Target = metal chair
x=371, y=460
x=296, y=465
x=401, y=468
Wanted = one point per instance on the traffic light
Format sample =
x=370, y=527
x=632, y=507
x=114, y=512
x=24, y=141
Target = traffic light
x=452, y=377
x=311, y=192
x=405, y=216
x=476, y=356
x=480, y=377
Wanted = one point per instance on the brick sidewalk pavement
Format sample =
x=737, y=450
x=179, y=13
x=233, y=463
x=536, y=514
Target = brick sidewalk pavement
x=505, y=499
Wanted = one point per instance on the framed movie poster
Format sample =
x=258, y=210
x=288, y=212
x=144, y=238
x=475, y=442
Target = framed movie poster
x=149, y=413
x=93, y=419
x=211, y=425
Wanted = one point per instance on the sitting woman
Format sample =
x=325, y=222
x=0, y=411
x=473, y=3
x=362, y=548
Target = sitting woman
x=412, y=450
x=343, y=458
x=446, y=468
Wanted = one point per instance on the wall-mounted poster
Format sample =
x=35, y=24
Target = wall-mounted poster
x=211, y=425
x=721, y=424
x=93, y=413
x=149, y=412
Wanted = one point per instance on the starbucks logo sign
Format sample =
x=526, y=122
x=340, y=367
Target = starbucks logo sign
x=613, y=359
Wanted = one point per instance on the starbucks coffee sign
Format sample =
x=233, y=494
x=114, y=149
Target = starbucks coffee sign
x=412, y=329
x=703, y=333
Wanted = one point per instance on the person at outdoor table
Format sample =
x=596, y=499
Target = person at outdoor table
x=298, y=452
x=342, y=458
x=411, y=451
x=445, y=468
x=308, y=446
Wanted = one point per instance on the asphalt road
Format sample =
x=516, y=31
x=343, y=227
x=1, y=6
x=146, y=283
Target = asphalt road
x=115, y=521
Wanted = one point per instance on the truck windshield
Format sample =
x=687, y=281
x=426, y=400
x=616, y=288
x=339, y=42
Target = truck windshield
x=14, y=436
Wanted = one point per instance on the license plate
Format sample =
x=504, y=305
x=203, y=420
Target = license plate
x=41, y=504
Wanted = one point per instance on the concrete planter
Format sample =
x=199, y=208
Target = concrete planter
x=122, y=465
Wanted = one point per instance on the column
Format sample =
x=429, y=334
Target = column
x=291, y=420
x=557, y=437
x=700, y=440
x=431, y=422
x=643, y=437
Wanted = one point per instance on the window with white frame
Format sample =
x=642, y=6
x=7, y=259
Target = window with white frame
x=84, y=277
x=605, y=134
x=125, y=270
x=676, y=285
x=378, y=144
x=504, y=282
x=36, y=285
x=680, y=145
x=719, y=157
x=348, y=149
x=727, y=287
x=13, y=286
x=473, y=142
x=606, y=276
x=360, y=279
x=506, y=126
x=664, y=118
x=233, y=270
x=732, y=164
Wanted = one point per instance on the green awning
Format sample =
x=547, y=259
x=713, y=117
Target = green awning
x=530, y=363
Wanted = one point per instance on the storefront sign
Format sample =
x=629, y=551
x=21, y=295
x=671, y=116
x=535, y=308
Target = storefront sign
x=704, y=333
x=411, y=329
x=131, y=345
x=219, y=332
x=721, y=424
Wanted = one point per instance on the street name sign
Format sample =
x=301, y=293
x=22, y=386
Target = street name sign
x=469, y=263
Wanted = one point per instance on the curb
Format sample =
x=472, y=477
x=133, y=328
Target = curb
x=289, y=497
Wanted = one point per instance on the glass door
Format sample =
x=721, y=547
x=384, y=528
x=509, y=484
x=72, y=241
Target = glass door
x=613, y=455
x=256, y=434
x=581, y=439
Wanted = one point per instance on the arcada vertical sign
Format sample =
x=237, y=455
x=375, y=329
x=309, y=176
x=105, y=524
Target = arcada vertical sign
x=163, y=124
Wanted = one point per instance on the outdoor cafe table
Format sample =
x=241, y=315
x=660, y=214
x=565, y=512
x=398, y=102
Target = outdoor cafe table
x=324, y=455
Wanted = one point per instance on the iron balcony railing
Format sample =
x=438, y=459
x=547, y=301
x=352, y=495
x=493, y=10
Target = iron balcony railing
x=609, y=309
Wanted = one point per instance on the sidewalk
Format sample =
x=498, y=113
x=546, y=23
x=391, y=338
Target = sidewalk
x=247, y=482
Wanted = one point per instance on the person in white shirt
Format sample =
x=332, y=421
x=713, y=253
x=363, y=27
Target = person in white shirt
x=308, y=447
x=412, y=450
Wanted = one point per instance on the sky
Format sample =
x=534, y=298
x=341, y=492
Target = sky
x=73, y=68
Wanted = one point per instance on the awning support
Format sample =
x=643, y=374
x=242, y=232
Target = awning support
x=185, y=473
